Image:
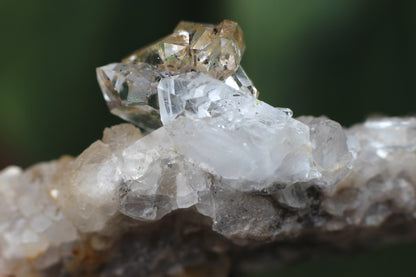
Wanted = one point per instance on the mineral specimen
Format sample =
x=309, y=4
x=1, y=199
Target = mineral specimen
x=226, y=184
x=159, y=205
x=130, y=87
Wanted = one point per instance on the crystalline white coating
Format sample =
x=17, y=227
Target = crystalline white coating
x=330, y=150
x=252, y=170
x=27, y=228
x=383, y=176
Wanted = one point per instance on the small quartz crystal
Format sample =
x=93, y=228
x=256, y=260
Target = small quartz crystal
x=213, y=50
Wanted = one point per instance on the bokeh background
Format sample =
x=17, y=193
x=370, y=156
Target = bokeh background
x=347, y=59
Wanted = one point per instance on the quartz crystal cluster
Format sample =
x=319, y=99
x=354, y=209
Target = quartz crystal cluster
x=226, y=182
x=190, y=195
x=131, y=87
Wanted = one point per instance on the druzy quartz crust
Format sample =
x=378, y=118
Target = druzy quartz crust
x=210, y=181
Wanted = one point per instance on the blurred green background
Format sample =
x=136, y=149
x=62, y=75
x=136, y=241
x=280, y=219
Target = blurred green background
x=346, y=59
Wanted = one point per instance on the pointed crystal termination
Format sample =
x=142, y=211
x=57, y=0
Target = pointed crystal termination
x=130, y=87
x=130, y=93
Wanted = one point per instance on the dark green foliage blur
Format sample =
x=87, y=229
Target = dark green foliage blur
x=346, y=59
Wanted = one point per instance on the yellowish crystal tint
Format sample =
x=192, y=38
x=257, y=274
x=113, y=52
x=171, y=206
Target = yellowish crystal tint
x=213, y=50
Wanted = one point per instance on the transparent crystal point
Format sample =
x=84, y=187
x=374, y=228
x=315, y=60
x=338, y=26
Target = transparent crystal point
x=130, y=92
x=240, y=81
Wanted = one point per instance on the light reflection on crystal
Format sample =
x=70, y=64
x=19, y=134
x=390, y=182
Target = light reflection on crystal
x=129, y=91
x=213, y=50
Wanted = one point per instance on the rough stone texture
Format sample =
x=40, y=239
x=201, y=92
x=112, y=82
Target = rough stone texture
x=150, y=206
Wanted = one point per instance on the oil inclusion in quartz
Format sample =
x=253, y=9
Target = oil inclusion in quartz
x=131, y=87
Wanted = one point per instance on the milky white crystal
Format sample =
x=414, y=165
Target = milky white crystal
x=234, y=135
x=325, y=178
x=383, y=176
x=31, y=225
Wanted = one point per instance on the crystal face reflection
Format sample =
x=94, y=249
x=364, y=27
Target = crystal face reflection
x=131, y=87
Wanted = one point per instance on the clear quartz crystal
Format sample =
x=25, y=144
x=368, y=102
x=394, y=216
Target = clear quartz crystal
x=130, y=92
x=214, y=50
x=129, y=87
x=240, y=81
x=197, y=95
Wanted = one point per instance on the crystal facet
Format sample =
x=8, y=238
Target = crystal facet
x=130, y=87
x=131, y=93
x=213, y=50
